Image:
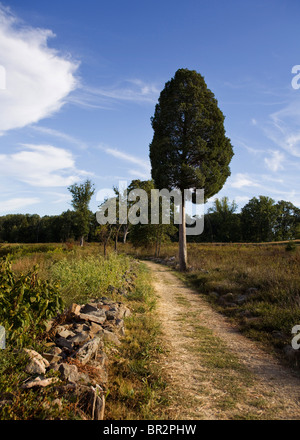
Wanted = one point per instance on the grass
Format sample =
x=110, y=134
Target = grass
x=136, y=388
x=273, y=310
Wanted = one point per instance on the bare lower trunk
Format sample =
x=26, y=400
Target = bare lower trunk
x=81, y=241
x=126, y=232
x=182, y=240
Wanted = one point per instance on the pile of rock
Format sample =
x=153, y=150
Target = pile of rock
x=232, y=300
x=76, y=352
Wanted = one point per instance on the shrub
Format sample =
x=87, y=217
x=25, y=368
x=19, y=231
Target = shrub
x=26, y=302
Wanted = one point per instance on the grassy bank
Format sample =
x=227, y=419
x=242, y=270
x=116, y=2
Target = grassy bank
x=136, y=389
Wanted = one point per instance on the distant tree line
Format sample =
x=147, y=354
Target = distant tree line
x=27, y=228
x=260, y=220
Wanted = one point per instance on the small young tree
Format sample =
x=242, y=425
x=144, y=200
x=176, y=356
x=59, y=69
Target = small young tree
x=189, y=147
x=82, y=195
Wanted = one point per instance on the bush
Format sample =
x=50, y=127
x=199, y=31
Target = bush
x=26, y=303
x=290, y=247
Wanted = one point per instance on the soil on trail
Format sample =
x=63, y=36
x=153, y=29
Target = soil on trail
x=213, y=372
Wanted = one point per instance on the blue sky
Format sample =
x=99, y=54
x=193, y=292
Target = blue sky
x=82, y=79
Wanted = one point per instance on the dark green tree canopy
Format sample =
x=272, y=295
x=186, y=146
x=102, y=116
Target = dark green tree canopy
x=189, y=147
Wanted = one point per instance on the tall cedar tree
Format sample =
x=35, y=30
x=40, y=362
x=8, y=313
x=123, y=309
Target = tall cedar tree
x=82, y=195
x=189, y=147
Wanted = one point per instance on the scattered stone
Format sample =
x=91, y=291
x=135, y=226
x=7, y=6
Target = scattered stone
x=64, y=343
x=88, y=351
x=69, y=372
x=92, y=318
x=241, y=299
x=111, y=315
x=95, y=329
x=79, y=333
x=89, y=308
x=111, y=337
x=64, y=332
x=39, y=381
x=37, y=364
x=74, y=310
x=52, y=358
x=80, y=338
x=214, y=295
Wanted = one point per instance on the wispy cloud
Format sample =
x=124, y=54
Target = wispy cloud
x=38, y=78
x=60, y=135
x=275, y=162
x=139, y=174
x=127, y=157
x=131, y=90
x=41, y=166
x=15, y=204
x=283, y=128
x=241, y=180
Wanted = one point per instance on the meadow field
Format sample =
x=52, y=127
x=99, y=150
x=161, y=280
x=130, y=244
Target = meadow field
x=256, y=287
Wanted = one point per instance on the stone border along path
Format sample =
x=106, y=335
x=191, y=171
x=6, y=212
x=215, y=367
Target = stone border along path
x=76, y=349
x=273, y=393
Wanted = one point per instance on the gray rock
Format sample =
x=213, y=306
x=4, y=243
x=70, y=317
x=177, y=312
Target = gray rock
x=123, y=312
x=69, y=373
x=74, y=310
x=80, y=338
x=95, y=329
x=39, y=381
x=37, y=363
x=92, y=318
x=111, y=337
x=241, y=299
x=111, y=315
x=89, y=308
x=64, y=332
x=52, y=358
x=64, y=343
x=88, y=351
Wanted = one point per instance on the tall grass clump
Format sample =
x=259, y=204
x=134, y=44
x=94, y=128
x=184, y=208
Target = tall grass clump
x=84, y=277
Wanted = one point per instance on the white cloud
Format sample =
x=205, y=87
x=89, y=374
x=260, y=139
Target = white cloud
x=60, y=135
x=274, y=163
x=127, y=157
x=139, y=174
x=132, y=90
x=241, y=180
x=241, y=199
x=41, y=166
x=283, y=128
x=38, y=78
x=15, y=204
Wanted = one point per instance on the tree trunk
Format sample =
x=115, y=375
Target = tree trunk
x=182, y=239
x=81, y=241
x=126, y=232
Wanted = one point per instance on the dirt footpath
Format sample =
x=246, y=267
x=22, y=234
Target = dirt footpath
x=212, y=370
